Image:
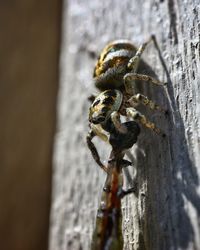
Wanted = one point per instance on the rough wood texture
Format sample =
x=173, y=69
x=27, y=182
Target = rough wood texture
x=29, y=45
x=165, y=212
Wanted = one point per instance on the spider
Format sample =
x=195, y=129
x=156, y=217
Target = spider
x=115, y=74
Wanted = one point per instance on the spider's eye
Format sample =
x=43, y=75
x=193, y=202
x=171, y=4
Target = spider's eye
x=95, y=103
x=98, y=119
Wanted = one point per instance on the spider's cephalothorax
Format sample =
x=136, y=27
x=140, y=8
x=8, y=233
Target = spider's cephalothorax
x=103, y=106
x=115, y=74
x=112, y=64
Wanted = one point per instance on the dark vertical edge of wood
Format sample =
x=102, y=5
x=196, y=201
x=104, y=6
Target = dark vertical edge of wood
x=55, y=106
x=29, y=76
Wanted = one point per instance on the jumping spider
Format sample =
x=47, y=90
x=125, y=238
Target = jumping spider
x=115, y=74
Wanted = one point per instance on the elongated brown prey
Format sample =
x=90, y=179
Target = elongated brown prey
x=107, y=234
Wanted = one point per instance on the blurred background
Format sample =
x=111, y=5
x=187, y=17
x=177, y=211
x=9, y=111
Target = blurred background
x=29, y=48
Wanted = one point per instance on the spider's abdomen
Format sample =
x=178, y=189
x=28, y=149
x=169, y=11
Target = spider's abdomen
x=112, y=64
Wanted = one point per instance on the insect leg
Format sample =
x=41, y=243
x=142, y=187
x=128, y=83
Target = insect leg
x=123, y=163
x=139, y=98
x=123, y=192
x=93, y=150
x=138, y=117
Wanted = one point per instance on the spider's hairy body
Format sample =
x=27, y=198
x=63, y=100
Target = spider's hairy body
x=115, y=75
x=112, y=64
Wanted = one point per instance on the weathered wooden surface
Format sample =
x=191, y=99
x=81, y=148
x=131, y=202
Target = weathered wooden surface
x=29, y=46
x=165, y=212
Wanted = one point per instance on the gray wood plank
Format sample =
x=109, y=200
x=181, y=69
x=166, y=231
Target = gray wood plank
x=164, y=214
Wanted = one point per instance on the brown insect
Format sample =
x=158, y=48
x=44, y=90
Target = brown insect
x=108, y=230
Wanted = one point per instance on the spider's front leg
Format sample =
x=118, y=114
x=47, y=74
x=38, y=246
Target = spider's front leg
x=93, y=149
x=115, y=117
x=138, y=117
x=139, y=98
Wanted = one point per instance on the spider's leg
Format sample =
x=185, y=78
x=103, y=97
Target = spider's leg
x=97, y=129
x=115, y=117
x=133, y=66
x=139, y=98
x=134, y=61
x=93, y=149
x=138, y=117
x=129, y=77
